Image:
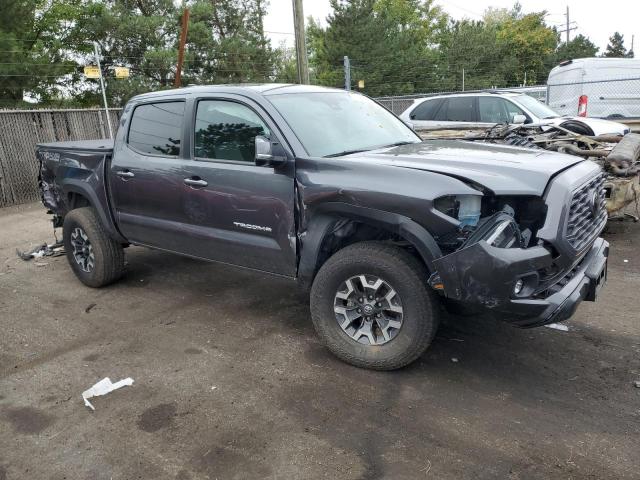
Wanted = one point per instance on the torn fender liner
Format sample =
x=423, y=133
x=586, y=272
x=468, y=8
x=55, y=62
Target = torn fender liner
x=484, y=275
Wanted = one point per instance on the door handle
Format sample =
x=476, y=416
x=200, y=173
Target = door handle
x=195, y=182
x=125, y=174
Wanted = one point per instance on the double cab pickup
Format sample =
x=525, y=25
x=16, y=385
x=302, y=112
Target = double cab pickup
x=330, y=189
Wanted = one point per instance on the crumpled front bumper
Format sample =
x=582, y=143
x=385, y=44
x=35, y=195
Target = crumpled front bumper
x=484, y=276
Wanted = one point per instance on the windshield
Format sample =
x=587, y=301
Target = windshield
x=536, y=107
x=334, y=123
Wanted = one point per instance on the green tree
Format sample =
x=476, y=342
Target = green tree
x=473, y=46
x=500, y=50
x=615, y=48
x=139, y=34
x=532, y=43
x=33, y=38
x=227, y=44
x=390, y=43
x=579, y=47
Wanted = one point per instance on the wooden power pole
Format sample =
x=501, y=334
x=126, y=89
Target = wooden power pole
x=183, y=40
x=301, y=44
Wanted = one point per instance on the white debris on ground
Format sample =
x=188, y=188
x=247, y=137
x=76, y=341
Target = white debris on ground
x=637, y=383
x=103, y=387
x=44, y=250
x=558, y=326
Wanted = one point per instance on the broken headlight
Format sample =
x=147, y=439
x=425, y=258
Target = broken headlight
x=465, y=208
x=499, y=230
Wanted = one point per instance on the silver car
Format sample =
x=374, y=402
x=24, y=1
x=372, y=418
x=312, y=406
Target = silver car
x=484, y=109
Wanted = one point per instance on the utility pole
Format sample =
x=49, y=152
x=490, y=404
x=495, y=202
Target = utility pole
x=104, y=93
x=463, y=79
x=183, y=39
x=569, y=26
x=301, y=44
x=347, y=74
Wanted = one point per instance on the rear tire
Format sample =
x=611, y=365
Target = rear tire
x=412, y=306
x=95, y=258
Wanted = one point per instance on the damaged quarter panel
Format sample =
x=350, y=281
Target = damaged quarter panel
x=69, y=170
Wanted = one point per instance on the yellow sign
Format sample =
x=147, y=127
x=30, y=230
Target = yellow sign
x=360, y=83
x=91, y=71
x=121, y=72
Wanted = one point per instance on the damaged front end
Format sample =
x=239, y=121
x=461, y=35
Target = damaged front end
x=527, y=260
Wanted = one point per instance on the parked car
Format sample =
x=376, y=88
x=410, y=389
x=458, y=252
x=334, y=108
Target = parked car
x=597, y=87
x=329, y=189
x=484, y=109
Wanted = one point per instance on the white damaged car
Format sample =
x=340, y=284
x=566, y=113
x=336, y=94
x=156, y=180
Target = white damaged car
x=484, y=109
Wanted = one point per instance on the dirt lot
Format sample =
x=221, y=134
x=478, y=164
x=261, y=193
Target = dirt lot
x=231, y=383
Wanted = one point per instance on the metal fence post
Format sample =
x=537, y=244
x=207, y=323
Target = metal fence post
x=347, y=74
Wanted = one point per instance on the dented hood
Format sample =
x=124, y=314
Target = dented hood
x=503, y=169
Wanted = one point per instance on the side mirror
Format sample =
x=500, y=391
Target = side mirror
x=268, y=154
x=519, y=119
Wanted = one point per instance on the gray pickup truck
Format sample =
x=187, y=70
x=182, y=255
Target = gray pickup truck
x=328, y=188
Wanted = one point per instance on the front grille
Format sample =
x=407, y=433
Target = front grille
x=587, y=214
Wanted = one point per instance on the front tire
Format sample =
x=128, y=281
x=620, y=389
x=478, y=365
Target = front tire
x=371, y=306
x=95, y=258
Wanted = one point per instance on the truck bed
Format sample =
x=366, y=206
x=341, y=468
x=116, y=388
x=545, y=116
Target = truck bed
x=98, y=146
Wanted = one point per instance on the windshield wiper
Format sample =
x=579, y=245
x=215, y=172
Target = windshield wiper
x=397, y=144
x=346, y=152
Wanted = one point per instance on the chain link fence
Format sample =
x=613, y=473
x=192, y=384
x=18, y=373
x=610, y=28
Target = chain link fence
x=614, y=99
x=21, y=130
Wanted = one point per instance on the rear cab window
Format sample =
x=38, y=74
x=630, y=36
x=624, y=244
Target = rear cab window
x=156, y=128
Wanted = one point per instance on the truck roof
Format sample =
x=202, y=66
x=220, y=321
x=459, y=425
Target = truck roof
x=251, y=89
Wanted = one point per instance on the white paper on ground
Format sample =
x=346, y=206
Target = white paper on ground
x=103, y=387
x=558, y=326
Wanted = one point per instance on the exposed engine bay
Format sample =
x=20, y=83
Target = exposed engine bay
x=619, y=156
x=502, y=221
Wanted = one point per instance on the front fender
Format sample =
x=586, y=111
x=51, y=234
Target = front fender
x=325, y=217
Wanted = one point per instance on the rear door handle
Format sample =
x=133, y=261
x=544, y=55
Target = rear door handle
x=195, y=182
x=125, y=174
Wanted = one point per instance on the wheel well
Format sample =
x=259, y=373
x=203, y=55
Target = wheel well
x=345, y=232
x=77, y=200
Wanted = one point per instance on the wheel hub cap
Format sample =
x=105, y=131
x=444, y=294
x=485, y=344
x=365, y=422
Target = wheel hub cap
x=368, y=309
x=82, y=250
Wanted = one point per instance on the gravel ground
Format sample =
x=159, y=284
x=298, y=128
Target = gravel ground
x=231, y=382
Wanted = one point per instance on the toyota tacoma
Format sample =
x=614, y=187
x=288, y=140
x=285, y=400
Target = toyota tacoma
x=330, y=189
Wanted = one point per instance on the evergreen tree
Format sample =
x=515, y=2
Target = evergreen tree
x=615, y=48
x=390, y=43
x=579, y=47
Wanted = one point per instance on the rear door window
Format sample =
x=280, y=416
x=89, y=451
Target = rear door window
x=461, y=109
x=426, y=110
x=156, y=128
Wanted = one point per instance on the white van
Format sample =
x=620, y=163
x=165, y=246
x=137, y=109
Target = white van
x=596, y=87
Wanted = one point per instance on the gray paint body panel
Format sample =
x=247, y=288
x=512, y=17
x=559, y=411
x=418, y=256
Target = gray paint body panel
x=274, y=219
